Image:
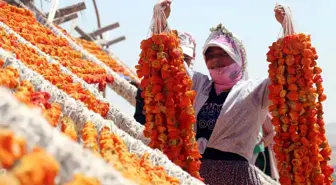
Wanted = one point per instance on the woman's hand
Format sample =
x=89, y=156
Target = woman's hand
x=160, y=23
x=279, y=13
x=165, y=4
x=284, y=17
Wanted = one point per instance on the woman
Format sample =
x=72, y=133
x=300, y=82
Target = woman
x=229, y=109
x=258, y=151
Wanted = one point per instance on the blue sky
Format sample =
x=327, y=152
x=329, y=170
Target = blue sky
x=252, y=21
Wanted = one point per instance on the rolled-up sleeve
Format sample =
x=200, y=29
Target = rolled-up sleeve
x=268, y=130
x=199, y=80
x=265, y=100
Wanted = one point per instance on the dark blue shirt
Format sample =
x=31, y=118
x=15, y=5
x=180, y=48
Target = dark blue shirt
x=208, y=114
x=139, y=116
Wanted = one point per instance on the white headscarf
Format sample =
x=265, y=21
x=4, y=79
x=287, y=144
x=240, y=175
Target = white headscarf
x=231, y=44
x=188, y=46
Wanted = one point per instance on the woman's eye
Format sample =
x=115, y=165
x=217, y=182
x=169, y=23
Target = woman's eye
x=224, y=55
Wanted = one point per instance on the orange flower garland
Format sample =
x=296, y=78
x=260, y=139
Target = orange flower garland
x=168, y=101
x=23, y=22
x=301, y=147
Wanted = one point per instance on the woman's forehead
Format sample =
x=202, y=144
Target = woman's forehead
x=214, y=49
x=186, y=56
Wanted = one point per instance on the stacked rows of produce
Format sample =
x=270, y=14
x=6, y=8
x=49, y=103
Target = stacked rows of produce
x=296, y=91
x=80, y=114
x=111, y=147
x=103, y=56
x=18, y=47
x=51, y=72
x=77, y=91
x=74, y=89
x=24, y=91
x=23, y=22
x=29, y=124
x=168, y=100
x=115, y=151
x=121, y=86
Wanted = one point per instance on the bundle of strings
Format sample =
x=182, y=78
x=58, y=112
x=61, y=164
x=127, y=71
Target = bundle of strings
x=287, y=23
x=159, y=20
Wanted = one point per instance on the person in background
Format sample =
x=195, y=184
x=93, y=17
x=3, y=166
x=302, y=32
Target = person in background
x=258, y=151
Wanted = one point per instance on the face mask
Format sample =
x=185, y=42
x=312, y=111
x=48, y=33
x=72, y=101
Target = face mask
x=225, y=77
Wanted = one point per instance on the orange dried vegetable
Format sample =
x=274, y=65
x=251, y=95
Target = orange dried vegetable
x=80, y=179
x=36, y=167
x=24, y=91
x=301, y=147
x=90, y=137
x=33, y=168
x=23, y=22
x=9, y=77
x=68, y=127
x=51, y=111
x=53, y=114
x=11, y=148
x=140, y=170
x=51, y=72
x=168, y=100
x=103, y=56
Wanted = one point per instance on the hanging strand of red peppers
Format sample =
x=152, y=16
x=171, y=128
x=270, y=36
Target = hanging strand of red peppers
x=168, y=100
x=296, y=92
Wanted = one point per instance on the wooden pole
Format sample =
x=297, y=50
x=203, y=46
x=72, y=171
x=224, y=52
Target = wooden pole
x=98, y=24
x=69, y=10
x=114, y=41
x=83, y=34
x=104, y=29
x=97, y=16
x=65, y=18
